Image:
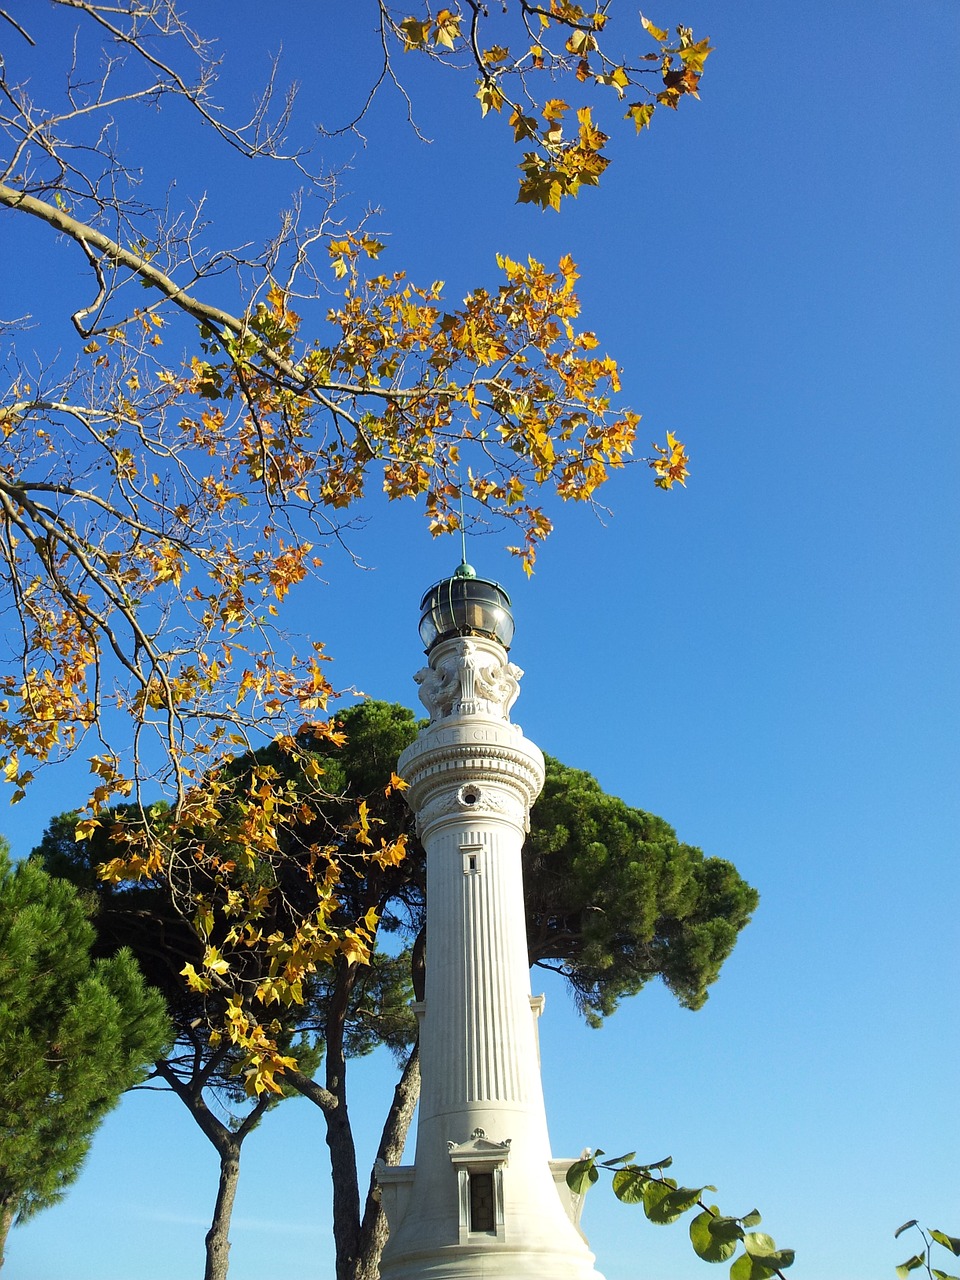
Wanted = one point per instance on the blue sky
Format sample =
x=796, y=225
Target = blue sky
x=768, y=659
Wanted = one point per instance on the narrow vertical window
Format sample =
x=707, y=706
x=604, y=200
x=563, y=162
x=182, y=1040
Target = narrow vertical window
x=471, y=858
x=481, y=1202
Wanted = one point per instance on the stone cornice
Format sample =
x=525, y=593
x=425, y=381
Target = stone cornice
x=492, y=760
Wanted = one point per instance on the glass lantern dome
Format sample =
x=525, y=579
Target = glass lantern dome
x=465, y=605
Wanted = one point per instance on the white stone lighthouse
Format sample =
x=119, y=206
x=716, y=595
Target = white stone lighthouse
x=483, y=1197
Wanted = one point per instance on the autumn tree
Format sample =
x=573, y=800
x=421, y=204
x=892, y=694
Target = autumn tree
x=174, y=472
x=75, y=1032
x=203, y=1069
x=187, y=459
x=168, y=480
x=287, y=965
x=235, y=983
x=613, y=901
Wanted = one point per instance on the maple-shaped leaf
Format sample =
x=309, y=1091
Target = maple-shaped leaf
x=554, y=109
x=353, y=948
x=542, y=184
x=523, y=126
x=415, y=33
x=580, y=41
x=695, y=55
x=491, y=99
x=641, y=113
x=214, y=961
x=671, y=465
x=447, y=28
x=683, y=81
x=618, y=79
x=498, y=53
x=195, y=981
x=392, y=853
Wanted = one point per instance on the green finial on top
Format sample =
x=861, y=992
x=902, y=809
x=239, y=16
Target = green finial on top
x=464, y=570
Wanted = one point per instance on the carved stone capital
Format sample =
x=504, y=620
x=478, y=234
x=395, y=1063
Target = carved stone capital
x=469, y=677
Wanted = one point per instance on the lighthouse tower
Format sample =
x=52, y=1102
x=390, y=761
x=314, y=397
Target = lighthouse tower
x=483, y=1197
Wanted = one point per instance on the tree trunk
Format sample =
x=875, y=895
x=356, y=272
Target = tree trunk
x=346, y=1192
x=6, y=1221
x=227, y=1143
x=217, y=1238
x=359, y=1244
x=343, y=1152
x=373, y=1229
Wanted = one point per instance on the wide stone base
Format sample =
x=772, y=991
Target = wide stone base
x=493, y=1262
x=543, y=1238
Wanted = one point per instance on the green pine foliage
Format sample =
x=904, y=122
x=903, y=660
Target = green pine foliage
x=615, y=899
x=75, y=1032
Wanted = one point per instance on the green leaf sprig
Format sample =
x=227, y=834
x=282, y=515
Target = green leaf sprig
x=924, y=1259
x=715, y=1236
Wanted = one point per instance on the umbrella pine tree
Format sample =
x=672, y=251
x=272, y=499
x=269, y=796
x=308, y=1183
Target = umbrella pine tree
x=75, y=1032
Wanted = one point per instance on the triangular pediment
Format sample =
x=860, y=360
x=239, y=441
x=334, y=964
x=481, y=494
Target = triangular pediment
x=478, y=1147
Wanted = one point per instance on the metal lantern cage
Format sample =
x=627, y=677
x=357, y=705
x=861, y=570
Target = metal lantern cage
x=465, y=605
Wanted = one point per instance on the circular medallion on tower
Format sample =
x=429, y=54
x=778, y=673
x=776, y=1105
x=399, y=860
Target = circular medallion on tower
x=469, y=797
x=465, y=605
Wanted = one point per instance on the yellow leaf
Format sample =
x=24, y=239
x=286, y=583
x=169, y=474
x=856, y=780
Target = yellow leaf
x=671, y=465
x=498, y=53
x=204, y=920
x=491, y=99
x=214, y=961
x=695, y=55
x=393, y=854
x=415, y=33
x=195, y=981
x=354, y=950
x=362, y=825
x=268, y=992
x=658, y=33
x=641, y=113
x=447, y=28
x=578, y=41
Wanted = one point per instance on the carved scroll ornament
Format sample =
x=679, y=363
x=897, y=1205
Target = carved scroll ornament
x=469, y=681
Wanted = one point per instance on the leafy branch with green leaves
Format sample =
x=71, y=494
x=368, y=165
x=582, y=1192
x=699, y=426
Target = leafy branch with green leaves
x=715, y=1236
x=925, y=1259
